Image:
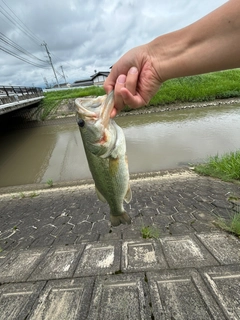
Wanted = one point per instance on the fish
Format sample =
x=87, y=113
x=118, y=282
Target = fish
x=105, y=149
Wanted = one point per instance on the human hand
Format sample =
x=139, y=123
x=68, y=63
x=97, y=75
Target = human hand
x=133, y=79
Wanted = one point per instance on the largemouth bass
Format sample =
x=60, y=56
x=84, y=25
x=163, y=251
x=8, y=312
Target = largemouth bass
x=105, y=148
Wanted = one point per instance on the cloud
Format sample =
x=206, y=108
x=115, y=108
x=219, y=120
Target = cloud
x=85, y=35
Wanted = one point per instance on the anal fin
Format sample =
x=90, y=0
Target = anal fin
x=99, y=195
x=128, y=195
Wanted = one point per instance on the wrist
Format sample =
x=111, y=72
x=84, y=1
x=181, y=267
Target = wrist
x=168, y=55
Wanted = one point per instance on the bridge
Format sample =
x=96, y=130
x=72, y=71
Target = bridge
x=17, y=97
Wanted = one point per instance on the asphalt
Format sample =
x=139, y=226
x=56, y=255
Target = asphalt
x=61, y=259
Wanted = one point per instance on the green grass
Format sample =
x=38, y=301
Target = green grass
x=206, y=87
x=53, y=98
x=231, y=225
x=226, y=167
x=150, y=232
x=49, y=183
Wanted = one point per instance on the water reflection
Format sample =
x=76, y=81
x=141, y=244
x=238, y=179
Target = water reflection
x=154, y=141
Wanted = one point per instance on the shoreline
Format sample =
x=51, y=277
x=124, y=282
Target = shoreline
x=68, y=108
x=181, y=106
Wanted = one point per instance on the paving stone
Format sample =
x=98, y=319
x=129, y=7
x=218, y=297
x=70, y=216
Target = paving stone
x=8, y=244
x=64, y=299
x=99, y=258
x=88, y=237
x=16, y=299
x=177, y=228
x=101, y=227
x=66, y=239
x=41, y=241
x=21, y=264
x=60, y=262
x=132, y=233
x=82, y=228
x=178, y=292
x=181, y=294
x=200, y=226
x=224, y=247
x=142, y=255
x=224, y=283
x=202, y=216
x=186, y=251
x=3, y=256
x=119, y=297
x=111, y=235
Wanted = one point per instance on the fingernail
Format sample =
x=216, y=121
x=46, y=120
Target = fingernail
x=133, y=70
x=121, y=79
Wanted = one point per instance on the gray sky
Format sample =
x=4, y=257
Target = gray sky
x=83, y=36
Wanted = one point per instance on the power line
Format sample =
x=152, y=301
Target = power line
x=21, y=58
x=66, y=63
x=12, y=48
x=14, y=45
x=20, y=25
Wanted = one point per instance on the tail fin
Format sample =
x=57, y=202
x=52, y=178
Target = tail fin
x=117, y=220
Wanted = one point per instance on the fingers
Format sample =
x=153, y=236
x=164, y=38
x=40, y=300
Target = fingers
x=133, y=101
x=129, y=82
x=118, y=100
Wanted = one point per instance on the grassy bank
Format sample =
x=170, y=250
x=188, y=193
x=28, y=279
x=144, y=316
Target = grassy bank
x=53, y=98
x=207, y=87
x=226, y=167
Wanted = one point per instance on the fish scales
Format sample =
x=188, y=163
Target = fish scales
x=105, y=148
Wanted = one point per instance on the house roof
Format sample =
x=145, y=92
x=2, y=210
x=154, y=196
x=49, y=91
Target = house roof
x=100, y=73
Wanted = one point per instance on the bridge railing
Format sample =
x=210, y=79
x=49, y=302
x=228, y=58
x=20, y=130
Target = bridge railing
x=9, y=94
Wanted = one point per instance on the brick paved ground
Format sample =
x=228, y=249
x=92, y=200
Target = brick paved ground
x=61, y=259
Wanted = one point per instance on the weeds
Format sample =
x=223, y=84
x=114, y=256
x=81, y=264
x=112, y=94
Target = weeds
x=52, y=99
x=232, y=225
x=226, y=167
x=33, y=194
x=22, y=195
x=206, y=87
x=150, y=232
x=50, y=183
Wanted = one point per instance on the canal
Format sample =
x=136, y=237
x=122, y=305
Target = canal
x=155, y=141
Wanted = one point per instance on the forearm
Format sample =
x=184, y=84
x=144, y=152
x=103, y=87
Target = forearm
x=210, y=44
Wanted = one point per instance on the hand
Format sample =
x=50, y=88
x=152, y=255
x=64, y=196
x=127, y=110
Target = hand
x=133, y=79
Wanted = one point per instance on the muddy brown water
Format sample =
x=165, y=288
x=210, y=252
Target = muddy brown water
x=155, y=141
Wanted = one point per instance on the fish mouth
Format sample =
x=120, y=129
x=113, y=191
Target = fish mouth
x=97, y=108
x=88, y=107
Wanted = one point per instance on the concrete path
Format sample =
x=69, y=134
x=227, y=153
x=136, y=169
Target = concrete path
x=62, y=260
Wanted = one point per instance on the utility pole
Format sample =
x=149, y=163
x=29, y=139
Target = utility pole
x=63, y=74
x=50, y=60
x=46, y=83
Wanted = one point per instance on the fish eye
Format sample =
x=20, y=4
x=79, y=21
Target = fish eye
x=81, y=123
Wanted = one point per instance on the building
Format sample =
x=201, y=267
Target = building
x=82, y=83
x=96, y=79
x=62, y=85
x=99, y=77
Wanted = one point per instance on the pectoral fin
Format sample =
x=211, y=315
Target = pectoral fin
x=99, y=195
x=128, y=196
